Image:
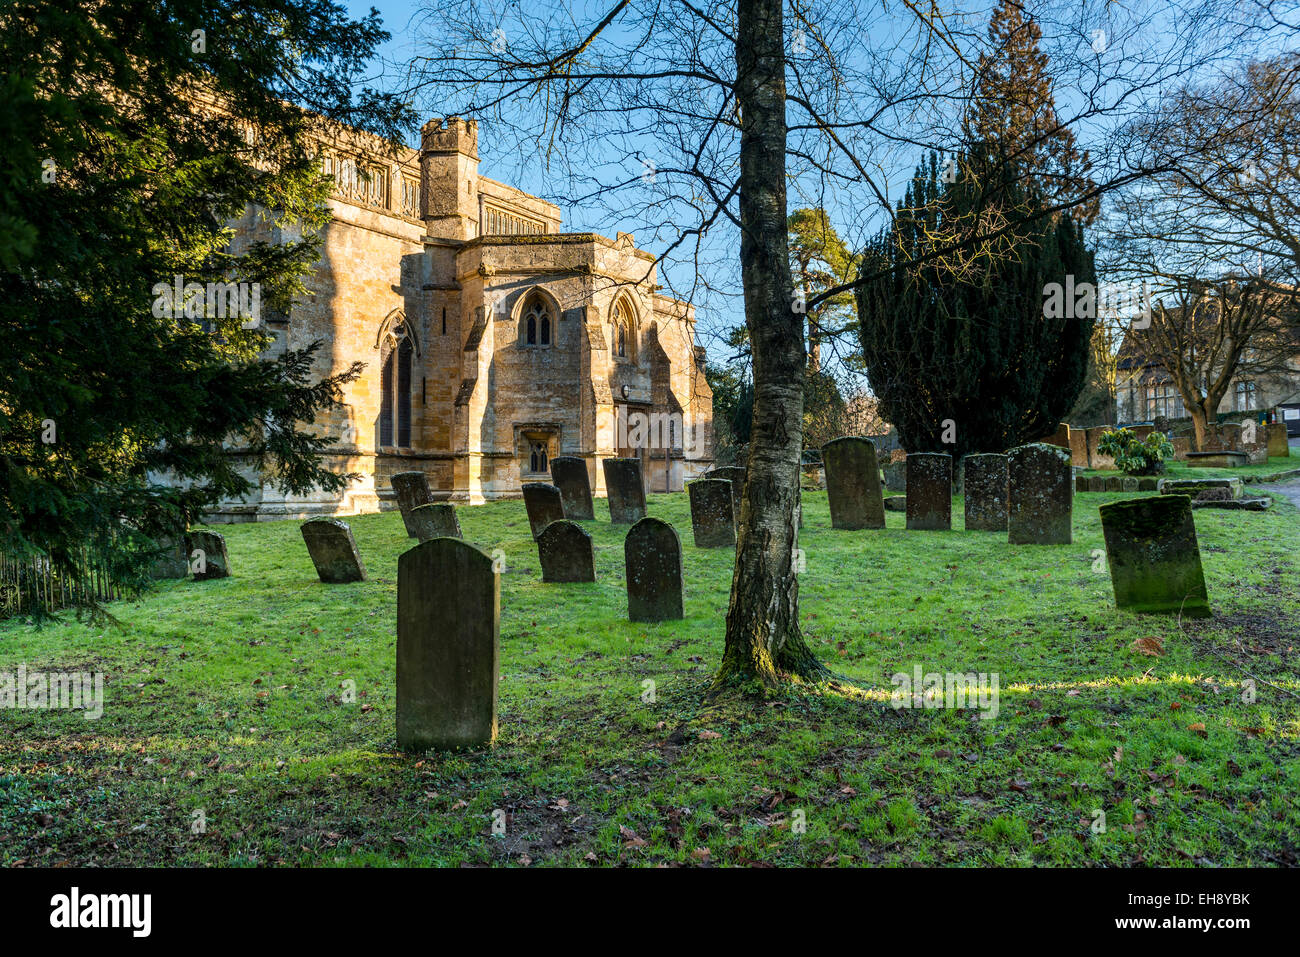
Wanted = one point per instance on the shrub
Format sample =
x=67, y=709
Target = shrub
x=1134, y=456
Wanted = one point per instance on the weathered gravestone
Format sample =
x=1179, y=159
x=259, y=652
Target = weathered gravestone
x=1114, y=483
x=896, y=503
x=208, y=558
x=411, y=490
x=1041, y=495
x=1278, y=443
x=569, y=473
x=448, y=646
x=734, y=474
x=853, y=483
x=1080, y=483
x=333, y=551
x=986, y=493
x=712, y=513
x=435, y=520
x=1155, y=563
x=929, y=490
x=566, y=553
x=652, y=556
x=544, y=505
x=1096, y=483
x=626, y=490
x=172, y=561
x=895, y=476
x=1147, y=485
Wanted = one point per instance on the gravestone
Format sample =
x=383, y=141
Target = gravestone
x=213, y=562
x=1114, y=483
x=1278, y=444
x=333, y=551
x=652, y=556
x=1155, y=563
x=1104, y=463
x=435, y=520
x=566, y=553
x=896, y=503
x=712, y=513
x=543, y=504
x=895, y=476
x=173, y=559
x=1192, y=486
x=734, y=474
x=1147, y=484
x=1041, y=496
x=1079, y=448
x=1080, y=483
x=448, y=646
x=569, y=473
x=929, y=491
x=411, y=490
x=1096, y=484
x=626, y=490
x=853, y=484
x=986, y=493
x=1130, y=483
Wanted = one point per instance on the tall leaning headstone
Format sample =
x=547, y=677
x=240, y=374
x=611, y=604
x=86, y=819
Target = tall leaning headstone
x=435, y=520
x=333, y=551
x=208, y=558
x=853, y=483
x=986, y=492
x=569, y=473
x=713, y=520
x=448, y=646
x=566, y=553
x=652, y=557
x=626, y=490
x=1041, y=495
x=929, y=491
x=411, y=490
x=1154, y=559
x=544, y=505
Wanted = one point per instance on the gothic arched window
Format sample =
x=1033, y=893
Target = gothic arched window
x=536, y=324
x=395, y=390
x=624, y=332
x=537, y=461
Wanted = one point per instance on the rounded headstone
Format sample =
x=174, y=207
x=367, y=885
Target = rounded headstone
x=566, y=553
x=853, y=483
x=435, y=520
x=712, y=513
x=652, y=556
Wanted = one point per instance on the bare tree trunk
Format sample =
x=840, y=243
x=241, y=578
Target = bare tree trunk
x=1200, y=425
x=763, y=637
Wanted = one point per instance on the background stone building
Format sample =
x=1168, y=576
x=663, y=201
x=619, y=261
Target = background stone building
x=493, y=341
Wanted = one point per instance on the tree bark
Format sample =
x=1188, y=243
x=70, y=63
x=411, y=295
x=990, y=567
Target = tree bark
x=764, y=642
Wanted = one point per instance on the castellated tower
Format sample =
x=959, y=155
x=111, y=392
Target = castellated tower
x=449, y=177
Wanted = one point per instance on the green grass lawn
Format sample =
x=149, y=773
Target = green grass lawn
x=225, y=697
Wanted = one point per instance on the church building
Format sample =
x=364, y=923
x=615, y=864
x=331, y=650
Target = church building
x=493, y=341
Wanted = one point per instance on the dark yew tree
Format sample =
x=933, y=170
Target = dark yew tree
x=137, y=133
x=958, y=347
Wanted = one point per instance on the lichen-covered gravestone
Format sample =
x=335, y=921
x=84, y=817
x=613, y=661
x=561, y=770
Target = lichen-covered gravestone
x=626, y=490
x=853, y=483
x=652, y=557
x=712, y=513
x=435, y=520
x=544, y=505
x=172, y=561
x=895, y=476
x=333, y=551
x=208, y=558
x=1041, y=495
x=448, y=646
x=735, y=474
x=411, y=490
x=566, y=553
x=986, y=492
x=929, y=491
x=1155, y=562
x=569, y=473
